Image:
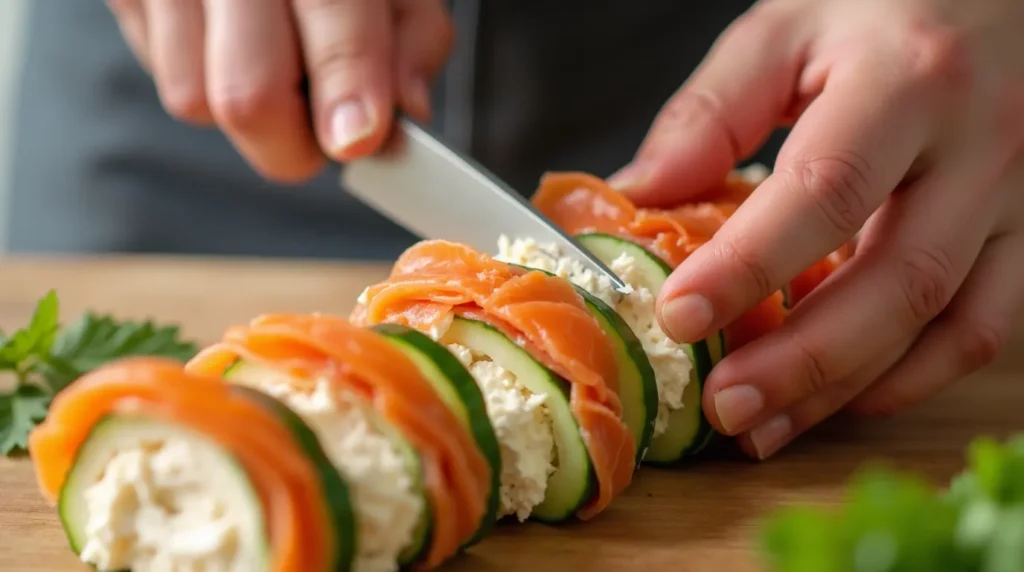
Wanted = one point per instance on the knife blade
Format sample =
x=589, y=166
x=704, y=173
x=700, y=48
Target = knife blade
x=436, y=192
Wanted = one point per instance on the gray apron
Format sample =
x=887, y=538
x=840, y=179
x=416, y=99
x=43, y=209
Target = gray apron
x=534, y=86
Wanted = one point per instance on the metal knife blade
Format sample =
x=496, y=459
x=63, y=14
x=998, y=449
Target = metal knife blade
x=437, y=193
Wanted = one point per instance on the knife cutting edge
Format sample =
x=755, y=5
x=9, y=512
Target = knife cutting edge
x=437, y=193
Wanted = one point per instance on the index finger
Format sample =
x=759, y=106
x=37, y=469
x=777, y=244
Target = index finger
x=852, y=146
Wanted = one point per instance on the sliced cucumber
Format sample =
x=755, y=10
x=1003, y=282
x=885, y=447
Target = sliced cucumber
x=653, y=270
x=335, y=490
x=716, y=347
x=688, y=431
x=114, y=433
x=638, y=390
x=462, y=395
x=573, y=482
x=255, y=376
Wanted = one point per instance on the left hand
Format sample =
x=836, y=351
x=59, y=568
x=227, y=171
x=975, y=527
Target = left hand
x=908, y=128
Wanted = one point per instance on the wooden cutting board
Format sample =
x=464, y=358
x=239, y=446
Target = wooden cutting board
x=700, y=517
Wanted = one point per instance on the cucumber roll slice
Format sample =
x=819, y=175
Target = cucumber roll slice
x=262, y=378
x=638, y=390
x=460, y=393
x=573, y=482
x=688, y=431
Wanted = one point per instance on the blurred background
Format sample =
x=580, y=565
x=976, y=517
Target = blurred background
x=12, y=14
x=91, y=163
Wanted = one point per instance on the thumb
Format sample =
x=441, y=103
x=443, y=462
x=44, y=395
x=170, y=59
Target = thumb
x=721, y=115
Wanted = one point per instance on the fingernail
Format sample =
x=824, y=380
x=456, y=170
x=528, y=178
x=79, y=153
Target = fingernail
x=737, y=406
x=687, y=317
x=771, y=436
x=629, y=177
x=350, y=124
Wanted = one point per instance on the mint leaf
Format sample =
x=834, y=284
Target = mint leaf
x=93, y=340
x=20, y=411
x=33, y=341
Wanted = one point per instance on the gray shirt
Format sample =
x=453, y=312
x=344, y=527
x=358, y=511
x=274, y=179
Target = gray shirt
x=533, y=86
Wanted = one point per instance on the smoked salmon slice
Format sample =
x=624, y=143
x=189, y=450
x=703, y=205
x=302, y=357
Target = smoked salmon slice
x=583, y=203
x=580, y=203
x=436, y=280
x=317, y=346
x=284, y=479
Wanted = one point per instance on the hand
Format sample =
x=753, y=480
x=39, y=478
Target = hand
x=908, y=123
x=239, y=64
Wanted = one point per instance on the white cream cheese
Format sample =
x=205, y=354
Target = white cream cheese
x=386, y=503
x=524, y=430
x=669, y=360
x=169, y=502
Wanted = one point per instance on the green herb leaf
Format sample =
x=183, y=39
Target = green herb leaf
x=45, y=359
x=92, y=341
x=20, y=411
x=34, y=341
x=893, y=522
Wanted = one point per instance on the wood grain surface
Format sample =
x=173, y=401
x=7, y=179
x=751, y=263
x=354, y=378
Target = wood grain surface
x=700, y=517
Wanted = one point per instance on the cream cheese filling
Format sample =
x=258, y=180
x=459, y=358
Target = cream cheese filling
x=670, y=361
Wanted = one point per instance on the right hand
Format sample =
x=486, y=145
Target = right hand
x=238, y=64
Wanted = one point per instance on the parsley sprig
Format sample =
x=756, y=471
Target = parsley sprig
x=45, y=357
x=896, y=522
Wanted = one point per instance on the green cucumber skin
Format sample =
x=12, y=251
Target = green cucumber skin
x=554, y=508
x=712, y=350
x=717, y=352
x=336, y=492
x=66, y=489
x=596, y=242
x=665, y=450
x=423, y=531
x=469, y=397
x=633, y=364
x=705, y=432
x=630, y=353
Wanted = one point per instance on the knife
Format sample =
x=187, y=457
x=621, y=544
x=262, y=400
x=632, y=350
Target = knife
x=436, y=192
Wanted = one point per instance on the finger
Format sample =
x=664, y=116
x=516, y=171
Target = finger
x=880, y=299
x=177, y=43
x=424, y=37
x=347, y=45
x=769, y=437
x=721, y=114
x=845, y=155
x=253, y=74
x=966, y=337
x=131, y=19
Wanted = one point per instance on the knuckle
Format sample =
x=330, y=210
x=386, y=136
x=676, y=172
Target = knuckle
x=814, y=374
x=342, y=54
x=185, y=102
x=980, y=342
x=926, y=277
x=691, y=108
x=690, y=105
x=757, y=274
x=241, y=109
x=838, y=186
x=937, y=54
